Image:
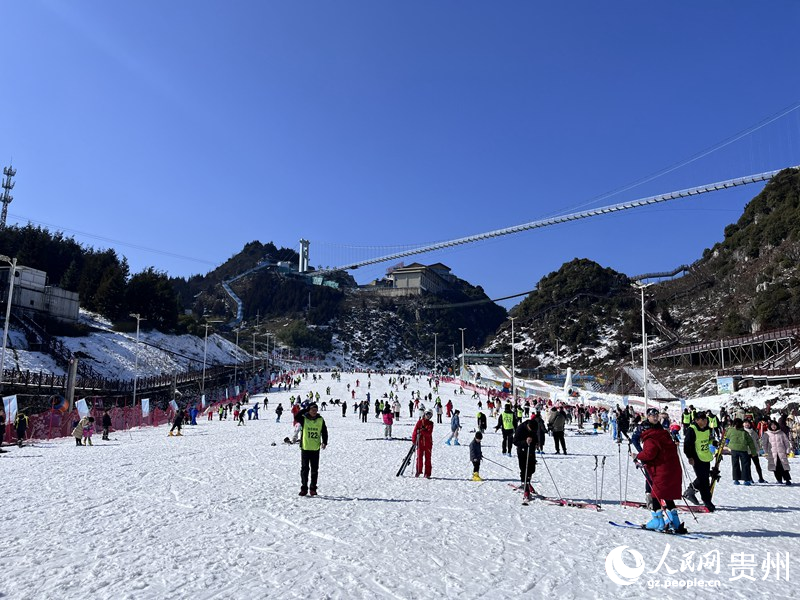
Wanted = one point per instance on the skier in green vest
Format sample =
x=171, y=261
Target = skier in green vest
x=696, y=448
x=314, y=437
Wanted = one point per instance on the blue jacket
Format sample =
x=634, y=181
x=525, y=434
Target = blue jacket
x=455, y=423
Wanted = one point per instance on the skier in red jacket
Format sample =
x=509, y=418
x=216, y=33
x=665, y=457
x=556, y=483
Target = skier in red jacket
x=422, y=436
x=663, y=469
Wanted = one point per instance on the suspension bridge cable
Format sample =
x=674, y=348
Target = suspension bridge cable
x=650, y=200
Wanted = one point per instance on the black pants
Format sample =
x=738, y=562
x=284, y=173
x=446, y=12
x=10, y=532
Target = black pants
x=309, y=460
x=105, y=433
x=781, y=474
x=526, y=462
x=558, y=438
x=508, y=440
x=702, y=483
x=438, y=417
x=363, y=417
x=755, y=460
x=476, y=466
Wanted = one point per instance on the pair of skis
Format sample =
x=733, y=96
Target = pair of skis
x=555, y=501
x=688, y=536
x=685, y=508
x=406, y=460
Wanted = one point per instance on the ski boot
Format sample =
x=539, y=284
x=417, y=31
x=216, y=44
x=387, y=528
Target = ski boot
x=179, y=433
x=303, y=490
x=312, y=491
x=170, y=434
x=656, y=521
x=447, y=442
x=691, y=495
x=455, y=443
x=476, y=477
x=675, y=521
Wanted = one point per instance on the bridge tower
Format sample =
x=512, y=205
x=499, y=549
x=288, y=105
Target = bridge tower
x=6, y=198
x=302, y=267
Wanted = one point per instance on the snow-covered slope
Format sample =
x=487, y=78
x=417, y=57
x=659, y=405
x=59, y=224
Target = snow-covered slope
x=215, y=514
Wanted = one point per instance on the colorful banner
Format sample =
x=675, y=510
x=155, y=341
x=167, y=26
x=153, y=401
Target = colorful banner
x=145, y=407
x=83, y=408
x=10, y=406
x=60, y=404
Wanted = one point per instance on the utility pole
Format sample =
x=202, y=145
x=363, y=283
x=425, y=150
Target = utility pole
x=513, y=388
x=6, y=198
x=435, y=348
x=462, y=329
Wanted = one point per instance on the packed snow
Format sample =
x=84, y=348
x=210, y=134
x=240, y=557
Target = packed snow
x=216, y=514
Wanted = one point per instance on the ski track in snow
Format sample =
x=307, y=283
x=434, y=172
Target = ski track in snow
x=215, y=515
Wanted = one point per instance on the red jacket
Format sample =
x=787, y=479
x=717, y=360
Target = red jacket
x=660, y=456
x=422, y=435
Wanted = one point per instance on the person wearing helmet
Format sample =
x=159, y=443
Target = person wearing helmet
x=422, y=436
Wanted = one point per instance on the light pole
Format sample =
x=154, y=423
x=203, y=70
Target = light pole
x=236, y=364
x=513, y=370
x=461, y=374
x=205, y=353
x=138, y=318
x=11, y=274
x=254, y=352
x=642, y=286
x=435, y=353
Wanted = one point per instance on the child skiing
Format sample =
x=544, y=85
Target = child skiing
x=88, y=430
x=476, y=455
x=455, y=425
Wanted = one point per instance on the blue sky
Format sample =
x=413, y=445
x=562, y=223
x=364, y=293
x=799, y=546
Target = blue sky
x=176, y=132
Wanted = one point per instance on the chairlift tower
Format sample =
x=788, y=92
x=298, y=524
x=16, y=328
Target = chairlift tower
x=6, y=198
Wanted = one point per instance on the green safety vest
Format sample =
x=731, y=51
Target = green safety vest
x=312, y=431
x=508, y=420
x=712, y=422
x=519, y=413
x=687, y=418
x=702, y=439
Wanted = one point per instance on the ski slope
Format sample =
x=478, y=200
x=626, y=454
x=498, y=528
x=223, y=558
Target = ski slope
x=215, y=514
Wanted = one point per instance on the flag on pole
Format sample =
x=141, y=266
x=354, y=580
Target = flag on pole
x=624, y=401
x=145, y=407
x=203, y=400
x=174, y=405
x=236, y=391
x=683, y=404
x=83, y=408
x=10, y=406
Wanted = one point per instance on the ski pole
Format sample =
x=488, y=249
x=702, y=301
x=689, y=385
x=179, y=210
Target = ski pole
x=595, y=478
x=683, y=468
x=525, y=484
x=619, y=463
x=544, y=462
x=602, y=478
x=497, y=463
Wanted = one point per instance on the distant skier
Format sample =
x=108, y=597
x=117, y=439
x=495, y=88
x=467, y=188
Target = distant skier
x=279, y=412
x=506, y=422
x=455, y=426
x=21, y=426
x=177, y=422
x=106, y=424
x=388, y=420
x=525, y=439
x=422, y=436
x=344, y=408
x=313, y=438
x=556, y=423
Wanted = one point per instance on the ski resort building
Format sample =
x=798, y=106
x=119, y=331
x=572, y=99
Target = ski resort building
x=32, y=296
